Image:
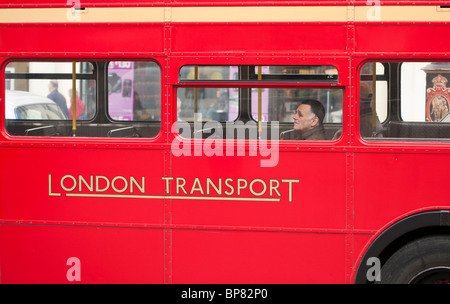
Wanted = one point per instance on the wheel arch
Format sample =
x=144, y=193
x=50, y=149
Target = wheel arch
x=398, y=234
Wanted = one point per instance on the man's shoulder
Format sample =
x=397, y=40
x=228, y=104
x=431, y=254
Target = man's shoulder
x=56, y=94
x=317, y=133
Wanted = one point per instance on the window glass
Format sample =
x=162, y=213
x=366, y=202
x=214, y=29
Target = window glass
x=259, y=107
x=134, y=91
x=373, y=99
x=280, y=104
x=417, y=79
x=278, y=110
x=222, y=104
x=39, y=112
x=218, y=104
x=381, y=86
x=126, y=103
x=417, y=96
x=210, y=72
x=425, y=95
x=276, y=73
x=35, y=87
x=301, y=73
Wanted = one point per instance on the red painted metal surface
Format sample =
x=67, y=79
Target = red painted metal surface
x=106, y=255
x=342, y=196
x=89, y=39
x=234, y=38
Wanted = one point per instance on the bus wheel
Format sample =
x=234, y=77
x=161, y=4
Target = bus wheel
x=423, y=261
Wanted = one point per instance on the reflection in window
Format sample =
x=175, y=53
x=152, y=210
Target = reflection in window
x=218, y=104
x=40, y=100
x=280, y=104
x=48, y=83
x=304, y=114
x=36, y=107
x=277, y=105
x=419, y=101
x=255, y=105
x=134, y=91
x=424, y=94
x=381, y=86
x=275, y=73
x=208, y=73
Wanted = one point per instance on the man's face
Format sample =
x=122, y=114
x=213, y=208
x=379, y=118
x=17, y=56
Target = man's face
x=304, y=119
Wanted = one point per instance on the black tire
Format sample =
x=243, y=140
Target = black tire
x=423, y=261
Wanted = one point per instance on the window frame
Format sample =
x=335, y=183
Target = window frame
x=395, y=103
x=246, y=86
x=100, y=118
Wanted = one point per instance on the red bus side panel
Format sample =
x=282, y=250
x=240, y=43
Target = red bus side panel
x=248, y=37
x=113, y=39
x=397, y=184
x=401, y=38
x=42, y=254
x=257, y=257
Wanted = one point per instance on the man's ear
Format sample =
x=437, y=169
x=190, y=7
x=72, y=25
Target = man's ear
x=315, y=121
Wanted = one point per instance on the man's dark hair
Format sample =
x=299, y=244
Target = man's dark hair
x=316, y=107
x=54, y=83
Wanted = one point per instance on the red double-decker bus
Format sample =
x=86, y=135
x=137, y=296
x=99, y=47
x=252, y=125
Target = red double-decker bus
x=197, y=172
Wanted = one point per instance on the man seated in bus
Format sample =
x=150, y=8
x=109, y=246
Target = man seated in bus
x=308, y=121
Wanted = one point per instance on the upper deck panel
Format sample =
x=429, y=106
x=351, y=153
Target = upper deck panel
x=259, y=39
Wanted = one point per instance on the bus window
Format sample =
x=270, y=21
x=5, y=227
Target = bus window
x=208, y=73
x=373, y=77
x=229, y=104
x=49, y=83
x=281, y=104
x=418, y=99
x=425, y=96
x=296, y=73
x=41, y=92
x=218, y=104
x=38, y=99
x=134, y=91
x=273, y=73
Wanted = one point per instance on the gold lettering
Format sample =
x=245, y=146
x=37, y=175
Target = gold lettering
x=262, y=183
x=179, y=185
x=214, y=187
x=239, y=188
x=290, y=181
x=81, y=181
x=273, y=188
x=50, y=193
x=141, y=187
x=114, y=186
x=70, y=177
x=167, y=179
x=197, y=186
x=97, y=183
x=209, y=182
x=229, y=186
